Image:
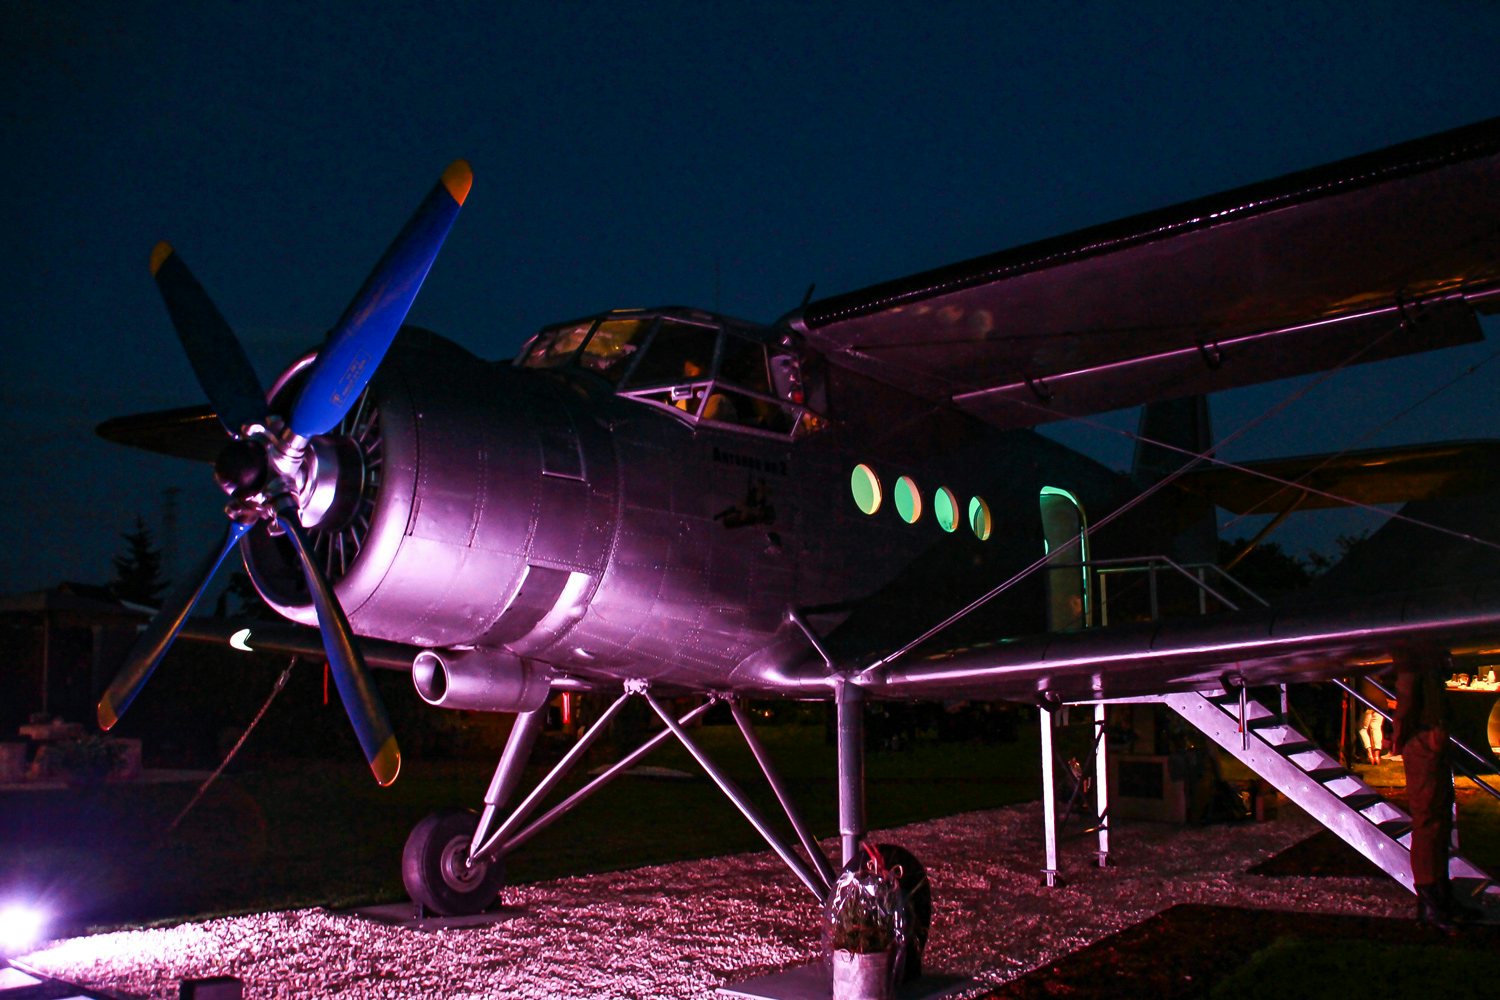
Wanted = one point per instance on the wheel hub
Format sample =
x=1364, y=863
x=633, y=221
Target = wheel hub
x=455, y=867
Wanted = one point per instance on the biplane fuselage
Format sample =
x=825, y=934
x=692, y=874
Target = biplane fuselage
x=546, y=521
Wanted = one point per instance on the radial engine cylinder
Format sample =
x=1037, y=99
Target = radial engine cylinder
x=479, y=680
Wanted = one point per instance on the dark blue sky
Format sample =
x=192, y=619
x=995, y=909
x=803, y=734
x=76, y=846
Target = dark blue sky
x=630, y=154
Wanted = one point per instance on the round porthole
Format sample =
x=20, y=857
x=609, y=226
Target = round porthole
x=865, y=486
x=908, y=500
x=979, y=518
x=945, y=508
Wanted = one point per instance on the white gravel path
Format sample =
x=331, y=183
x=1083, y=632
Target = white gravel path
x=681, y=930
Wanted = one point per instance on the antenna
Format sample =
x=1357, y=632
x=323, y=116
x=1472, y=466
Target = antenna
x=169, y=531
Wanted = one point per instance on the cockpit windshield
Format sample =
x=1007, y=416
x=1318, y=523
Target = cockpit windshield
x=695, y=364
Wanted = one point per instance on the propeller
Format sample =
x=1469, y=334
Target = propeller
x=350, y=675
x=153, y=644
x=212, y=349
x=263, y=466
x=358, y=342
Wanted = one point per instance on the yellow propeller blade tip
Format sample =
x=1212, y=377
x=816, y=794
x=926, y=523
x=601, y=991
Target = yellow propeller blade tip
x=107, y=714
x=458, y=178
x=387, y=762
x=159, y=255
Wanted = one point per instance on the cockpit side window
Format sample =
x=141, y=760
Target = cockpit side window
x=743, y=363
x=708, y=370
x=679, y=352
x=614, y=343
x=555, y=347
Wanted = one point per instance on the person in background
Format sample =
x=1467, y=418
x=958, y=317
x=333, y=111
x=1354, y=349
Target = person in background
x=1421, y=739
x=1371, y=734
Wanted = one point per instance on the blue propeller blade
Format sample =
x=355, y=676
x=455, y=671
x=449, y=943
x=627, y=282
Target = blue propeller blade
x=157, y=639
x=223, y=370
x=356, y=687
x=357, y=344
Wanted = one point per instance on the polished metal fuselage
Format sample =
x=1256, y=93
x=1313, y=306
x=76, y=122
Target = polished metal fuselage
x=538, y=517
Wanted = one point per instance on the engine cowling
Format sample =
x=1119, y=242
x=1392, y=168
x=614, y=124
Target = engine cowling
x=447, y=485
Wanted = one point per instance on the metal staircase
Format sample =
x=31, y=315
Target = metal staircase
x=1263, y=741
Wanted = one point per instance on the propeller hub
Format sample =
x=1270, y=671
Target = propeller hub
x=241, y=468
x=333, y=481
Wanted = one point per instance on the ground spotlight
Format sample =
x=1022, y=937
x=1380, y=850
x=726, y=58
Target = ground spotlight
x=20, y=928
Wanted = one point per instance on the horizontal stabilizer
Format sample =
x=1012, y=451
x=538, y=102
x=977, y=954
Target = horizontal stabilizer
x=1373, y=476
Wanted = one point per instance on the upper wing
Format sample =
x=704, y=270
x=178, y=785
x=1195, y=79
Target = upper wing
x=1371, y=257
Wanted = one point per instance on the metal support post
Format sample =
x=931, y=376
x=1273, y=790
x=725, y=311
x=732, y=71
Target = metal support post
x=736, y=796
x=1244, y=725
x=1101, y=780
x=507, y=776
x=815, y=852
x=1049, y=800
x=849, y=702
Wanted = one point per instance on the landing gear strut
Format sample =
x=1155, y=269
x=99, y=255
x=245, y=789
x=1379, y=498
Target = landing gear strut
x=453, y=862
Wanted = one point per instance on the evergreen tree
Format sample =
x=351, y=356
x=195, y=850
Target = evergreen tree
x=1268, y=570
x=138, y=569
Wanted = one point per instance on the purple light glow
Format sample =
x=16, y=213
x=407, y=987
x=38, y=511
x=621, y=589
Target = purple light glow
x=682, y=930
x=20, y=927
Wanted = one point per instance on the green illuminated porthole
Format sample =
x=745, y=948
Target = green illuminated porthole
x=979, y=518
x=945, y=508
x=865, y=486
x=908, y=500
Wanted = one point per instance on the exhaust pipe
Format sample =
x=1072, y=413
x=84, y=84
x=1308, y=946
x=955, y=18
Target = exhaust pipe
x=479, y=680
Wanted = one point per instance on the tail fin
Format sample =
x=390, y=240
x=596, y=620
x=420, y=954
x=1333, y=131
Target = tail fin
x=1188, y=526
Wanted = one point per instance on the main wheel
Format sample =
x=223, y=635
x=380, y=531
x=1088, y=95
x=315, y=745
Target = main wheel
x=918, y=893
x=435, y=868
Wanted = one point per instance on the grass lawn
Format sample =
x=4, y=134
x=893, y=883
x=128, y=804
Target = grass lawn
x=302, y=832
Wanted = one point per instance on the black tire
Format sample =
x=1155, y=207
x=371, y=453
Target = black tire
x=918, y=895
x=434, y=870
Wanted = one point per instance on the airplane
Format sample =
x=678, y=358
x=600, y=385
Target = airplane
x=849, y=503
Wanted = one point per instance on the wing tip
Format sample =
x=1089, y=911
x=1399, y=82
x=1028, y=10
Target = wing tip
x=458, y=178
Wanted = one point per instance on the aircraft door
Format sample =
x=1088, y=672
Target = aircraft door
x=1065, y=536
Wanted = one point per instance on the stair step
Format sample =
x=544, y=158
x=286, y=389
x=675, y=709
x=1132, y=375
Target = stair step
x=1323, y=775
x=1470, y=888
x=1363, y=800
x=1395, y=828
x=1295, y=747
x=1265, y=722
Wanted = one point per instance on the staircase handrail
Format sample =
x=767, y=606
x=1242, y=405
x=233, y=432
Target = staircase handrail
x=1467, y=770
x=1146, y=563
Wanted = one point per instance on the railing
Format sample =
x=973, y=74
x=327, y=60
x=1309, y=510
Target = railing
x=1154, y=568
x=1460, y=764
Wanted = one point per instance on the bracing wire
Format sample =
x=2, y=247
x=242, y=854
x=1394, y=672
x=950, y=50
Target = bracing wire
x=1195, y=459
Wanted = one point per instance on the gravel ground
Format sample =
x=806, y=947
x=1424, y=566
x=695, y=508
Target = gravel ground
x=681, y=930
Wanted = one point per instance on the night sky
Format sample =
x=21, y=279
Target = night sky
x=632, y=154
